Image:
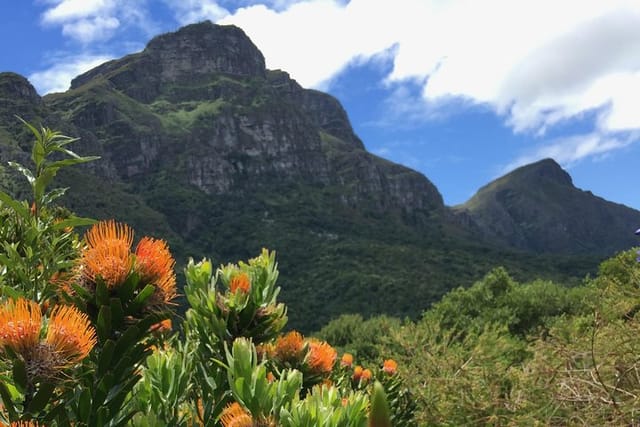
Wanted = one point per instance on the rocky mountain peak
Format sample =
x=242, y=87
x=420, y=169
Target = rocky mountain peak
x=193, y=53
x=544, y=170
x=206, y=48
x=15, y=87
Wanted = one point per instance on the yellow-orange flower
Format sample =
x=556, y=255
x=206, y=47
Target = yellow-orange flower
x=235, y=415
x=347, y=360
x=270, y=377
x=240, y=281
x=321, y=357
x=70, y=334
x=153, y=260
x=357, y=373
x=165, y=290
x=20, y=323
x=289, y=348
x=162, y=326
x=366, y=375
x=108, y=254
x=390, y=366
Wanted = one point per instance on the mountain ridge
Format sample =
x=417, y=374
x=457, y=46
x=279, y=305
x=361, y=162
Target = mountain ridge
x=222, y=163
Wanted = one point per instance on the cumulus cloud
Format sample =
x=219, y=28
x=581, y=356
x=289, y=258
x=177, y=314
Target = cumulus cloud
x=190, y=11
x=536, y=63
x=58, y=77
x=570, y=150
x=89, y=21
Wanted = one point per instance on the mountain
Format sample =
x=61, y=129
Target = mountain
x=537, y=208
x=202, y=145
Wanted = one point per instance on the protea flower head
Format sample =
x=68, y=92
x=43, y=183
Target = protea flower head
x=153, y=260
x=108, y=253
x=240, y=282
x=290, y=348
x=390, y=366
x=70, y=335
x=20, y=324
x=321, y=357
x=235, y=415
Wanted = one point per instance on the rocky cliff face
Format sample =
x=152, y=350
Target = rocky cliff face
x=200, y=102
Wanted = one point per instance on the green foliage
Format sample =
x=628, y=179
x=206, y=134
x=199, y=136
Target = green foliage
x=36, y=241
x=325, y=407
x=362, y=338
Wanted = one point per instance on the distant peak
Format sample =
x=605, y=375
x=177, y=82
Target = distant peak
x=14, y=86
x=545, y=169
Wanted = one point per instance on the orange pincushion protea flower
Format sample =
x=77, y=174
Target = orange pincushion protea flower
x=235, y=415
x=20, y=323
x=357, y=373
x=165, y=290
x=240, y=281
x=366, y=375
x=162, y=326
x=289, y=348
x=108, y=254
x=70, y=334
x=321, y=357
x=347, y=360
x=155, y=265
x=29, y=423
x=390, y=366
x=153, y=260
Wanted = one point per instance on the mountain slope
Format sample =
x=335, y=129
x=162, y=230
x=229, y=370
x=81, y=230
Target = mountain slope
x=203, y=146
x=537, y=208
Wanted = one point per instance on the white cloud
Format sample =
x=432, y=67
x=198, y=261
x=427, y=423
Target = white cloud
x=69, y=10
x=58, y=77
x=88, y=21
x=91, y=29
x=571, y=150
x=536, y=62
x=190, y=11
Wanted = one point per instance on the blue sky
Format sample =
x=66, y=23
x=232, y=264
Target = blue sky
x=462, y=91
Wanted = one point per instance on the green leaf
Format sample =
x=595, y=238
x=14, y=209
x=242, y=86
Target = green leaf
x=104, y=322
x=102, y=294
x=103, y=416
x=71, y=162
x=10, y=292
x=53, y=195
x=84, y=405
x=106, y=355
x=43, y=181
x=18, y=207
x=74, y=221
x=6, y=400
x=26, y=172
x=380, y=415
x=37, y=153
x=41, y=398
x=143, y=296
x=20, y=375
x=127, y=340
x=117, y=313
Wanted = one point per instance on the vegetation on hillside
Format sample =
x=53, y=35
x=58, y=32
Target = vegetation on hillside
x=87, y=334
x=509, y=353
